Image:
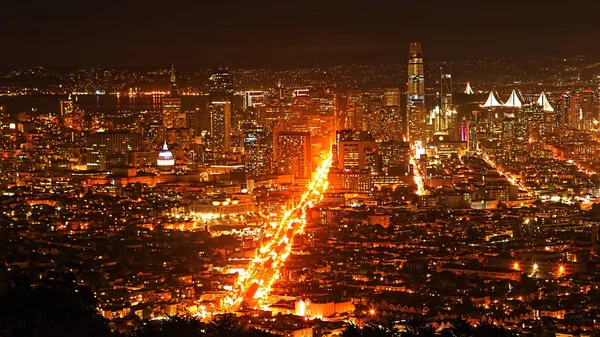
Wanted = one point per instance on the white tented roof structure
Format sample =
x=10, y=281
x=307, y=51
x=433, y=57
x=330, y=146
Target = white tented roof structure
x=543, y=102
x=468, y=89
x=492, y=101
x=513, y=100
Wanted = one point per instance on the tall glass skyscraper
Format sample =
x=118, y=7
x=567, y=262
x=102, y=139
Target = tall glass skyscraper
x=416, y=129
x=221, y=85
x=416, y=74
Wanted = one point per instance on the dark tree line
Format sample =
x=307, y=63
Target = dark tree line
x=419, y=328
x=220, y=326
x=57, y=307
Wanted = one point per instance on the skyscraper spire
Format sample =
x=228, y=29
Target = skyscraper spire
x=416, y=130
x=173, y=85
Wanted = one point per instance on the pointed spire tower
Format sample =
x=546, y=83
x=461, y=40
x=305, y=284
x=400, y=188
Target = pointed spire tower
x=543, y=102
x=468, y=89
x=492, y=101
x=172, y=84
x=513, y=100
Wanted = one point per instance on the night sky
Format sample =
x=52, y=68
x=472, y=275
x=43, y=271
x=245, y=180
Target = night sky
x=208, y=33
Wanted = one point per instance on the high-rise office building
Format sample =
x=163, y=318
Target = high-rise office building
x=446, y=99
x=221, y=85
x=569, y=111
x=373, y=100
x=395, y=157
x=589, y=109
x=464, y=130
x=292, y=154
x=71, y=115
x=357, y=155
x=108, y=149
x=391, y=101
x=173, y=83
x=258, y=149
x=417, y=129
x=153, y=133
x=253, y=99
x=172, y=114
x=220, y=128
x=383, y=123
x=416, y=74
x=598, y=98
x=472, y=136
x=66, y=106
x=439, y=119
x=354, y=150
x=354, y=110
x=391, y=97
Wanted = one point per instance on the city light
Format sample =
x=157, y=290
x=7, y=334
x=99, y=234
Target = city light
x=509, y=176
x=263, y=271
x=418, y=178
x=297, y=200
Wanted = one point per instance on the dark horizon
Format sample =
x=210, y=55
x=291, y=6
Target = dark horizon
x=284, y=35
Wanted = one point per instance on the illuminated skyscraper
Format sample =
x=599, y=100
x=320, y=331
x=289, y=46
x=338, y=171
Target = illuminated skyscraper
x=71, y=115
x=221, y=85
x=354, y=150
x=598, y=98
x=589, y=109
x=464, y=130
x=109, y=149
x=416, y=129
x=569, y=111
x=354, y=113
x=446, y=123
x=171, y=112
x=172, y=83
x=292, y=154
x=253, y=99
x=258, y=149
x=395, y=157
x=391, y=97
x=416, y=74
x=173, y=116
x=446, y=92
x=220, y=128
x=578, y=111
x=66, y=106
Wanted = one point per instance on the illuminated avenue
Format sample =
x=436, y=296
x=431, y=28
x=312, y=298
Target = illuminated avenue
x=256, y=282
